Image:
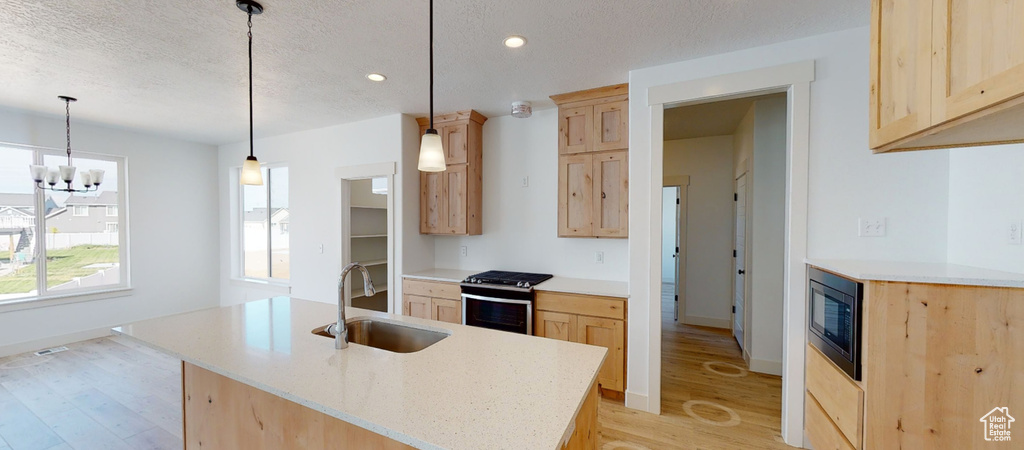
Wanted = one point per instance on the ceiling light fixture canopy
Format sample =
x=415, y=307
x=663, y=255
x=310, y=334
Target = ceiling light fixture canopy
x=431, y=149
x=252, y=173
x=91, y=179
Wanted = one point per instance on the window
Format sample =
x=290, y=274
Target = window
x=111, y=210
x=48, y=244
x=265, y=222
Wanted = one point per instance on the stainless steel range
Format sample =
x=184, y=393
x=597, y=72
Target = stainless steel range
x=500, y=300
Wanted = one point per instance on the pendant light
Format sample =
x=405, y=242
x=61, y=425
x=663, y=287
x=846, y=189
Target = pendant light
x=91, y=179
x=252, y=174
x=431, y=150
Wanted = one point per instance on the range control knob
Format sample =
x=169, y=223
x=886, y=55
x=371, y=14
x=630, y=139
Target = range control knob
x=526, y=284
x=519, y=284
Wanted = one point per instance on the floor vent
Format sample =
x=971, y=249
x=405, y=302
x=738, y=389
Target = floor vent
x=51, y=351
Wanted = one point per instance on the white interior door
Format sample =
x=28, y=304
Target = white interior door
x=739, y=266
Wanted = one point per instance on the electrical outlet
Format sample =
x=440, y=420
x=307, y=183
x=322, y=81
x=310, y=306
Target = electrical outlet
x=526, y=181
x=1014, y=237
x=871, y=227
x=599, y=257
x=464, y=250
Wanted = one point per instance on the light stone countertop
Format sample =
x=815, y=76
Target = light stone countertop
x=918, y=272
x=556, y=284
x=475, y=389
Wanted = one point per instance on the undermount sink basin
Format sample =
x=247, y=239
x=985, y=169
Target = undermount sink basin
x=385, y=335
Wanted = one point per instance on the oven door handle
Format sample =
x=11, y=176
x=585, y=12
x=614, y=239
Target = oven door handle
x=496, y=300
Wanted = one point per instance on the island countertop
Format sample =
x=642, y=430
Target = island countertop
x=475, y=389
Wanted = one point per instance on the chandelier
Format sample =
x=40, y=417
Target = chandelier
x=91, y=179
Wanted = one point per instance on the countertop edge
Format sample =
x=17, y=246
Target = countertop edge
x=838, y=267
x=348, y=418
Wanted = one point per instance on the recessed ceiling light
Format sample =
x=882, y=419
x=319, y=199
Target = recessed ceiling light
x=376, y=77
x=515, y=41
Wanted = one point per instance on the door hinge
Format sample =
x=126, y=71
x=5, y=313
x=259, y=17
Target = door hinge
x=734, y=309
x=677, y=250
x=677, y=201
x=734, y=253
x=677, y=298
x=735, y=197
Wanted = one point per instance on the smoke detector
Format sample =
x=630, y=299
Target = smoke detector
x=521, y=110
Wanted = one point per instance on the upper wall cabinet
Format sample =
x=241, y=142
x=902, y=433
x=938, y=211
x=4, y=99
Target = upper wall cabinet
x=593, y=169
x=451, y=201
x=946, y=73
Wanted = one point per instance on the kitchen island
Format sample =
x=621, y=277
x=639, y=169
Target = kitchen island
x=474, y=389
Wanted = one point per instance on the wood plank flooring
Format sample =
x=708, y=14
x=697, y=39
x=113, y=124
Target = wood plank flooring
x=112, y=393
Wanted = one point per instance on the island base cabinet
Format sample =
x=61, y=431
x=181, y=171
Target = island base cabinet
x=584, y=435
x=221, y=413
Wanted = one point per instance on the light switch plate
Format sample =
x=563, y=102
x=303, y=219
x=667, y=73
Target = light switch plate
x=1013, y=233
x=871, y=227
x=599, y=257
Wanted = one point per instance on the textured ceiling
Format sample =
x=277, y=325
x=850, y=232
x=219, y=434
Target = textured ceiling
x=708, y=119
x=179, y=68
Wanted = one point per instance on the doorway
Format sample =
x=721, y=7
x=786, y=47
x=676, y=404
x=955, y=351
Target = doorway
x=368, y=233
x=717, y=360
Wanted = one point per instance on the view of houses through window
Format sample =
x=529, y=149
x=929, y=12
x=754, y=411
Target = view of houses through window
x=55, y=242
x=265, y=220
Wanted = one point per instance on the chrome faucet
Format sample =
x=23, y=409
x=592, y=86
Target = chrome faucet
x=340, y=329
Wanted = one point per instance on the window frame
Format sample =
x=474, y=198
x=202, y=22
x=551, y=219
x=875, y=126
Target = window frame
x=75, y=209
x=240, y=229
x=115, y=207
x=44, y=296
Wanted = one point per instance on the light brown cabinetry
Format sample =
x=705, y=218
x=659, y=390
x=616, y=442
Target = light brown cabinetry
x=451, y=201
x=946, y=73
x=593, y=163
x=935, y=359
x=587, y=319
x=433, y=300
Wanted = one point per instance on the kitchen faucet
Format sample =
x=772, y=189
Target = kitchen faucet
x=340, y=329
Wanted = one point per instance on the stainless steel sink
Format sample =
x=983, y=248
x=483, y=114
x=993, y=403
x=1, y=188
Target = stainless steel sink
x=385, y=335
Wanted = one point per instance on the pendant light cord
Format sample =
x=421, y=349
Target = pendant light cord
x=431, y=64
x=67, y=112
x=250, y=83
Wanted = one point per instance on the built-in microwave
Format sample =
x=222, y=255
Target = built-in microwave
x=834, y=310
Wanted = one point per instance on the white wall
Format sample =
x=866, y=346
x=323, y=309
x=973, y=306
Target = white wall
x=846, y=180
x=767, y=237
x=709, y=163
x=312, y=158
x=521, y=223
x=985, y=196
x=169, y=186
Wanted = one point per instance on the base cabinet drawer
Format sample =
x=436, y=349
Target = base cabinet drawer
x=839, y=397
x=822, y=432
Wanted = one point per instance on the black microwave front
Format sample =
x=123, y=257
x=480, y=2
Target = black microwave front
x=834, y=311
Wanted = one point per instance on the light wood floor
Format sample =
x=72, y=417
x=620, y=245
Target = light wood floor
x=755, y=398
x=112, y=393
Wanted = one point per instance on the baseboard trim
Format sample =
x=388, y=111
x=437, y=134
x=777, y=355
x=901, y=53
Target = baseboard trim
x=637, y=401
x=765, y=366
x=53, y=341
x=706, y=321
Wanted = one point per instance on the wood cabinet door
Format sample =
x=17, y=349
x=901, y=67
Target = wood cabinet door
x=575, y=130
x=446, y=310
x=611, y=195
x=611, y=334
x=455, y=139
x=575, y=195
x=433, y=210
x=416, y=306
x=611, y=126
x=456, y=189
x=900, y=98
x=979, y=55
x=555, y=325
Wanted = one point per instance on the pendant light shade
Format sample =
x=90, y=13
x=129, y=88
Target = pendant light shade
x=251, y=172
x=431, y=153
x=431, y=149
